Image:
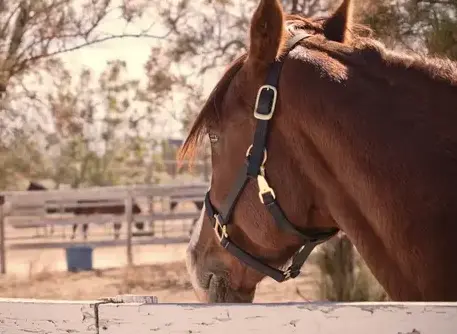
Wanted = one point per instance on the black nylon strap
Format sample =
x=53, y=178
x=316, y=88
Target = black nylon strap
x=300, y=258
x=285, y=224
x=209, y=207
x=242, y=255
x=253, y=262
x=278, y=275
x=264, y=108
x=281, y=219
x=291, y=42
x=261, y=131
x=251, y=170
x=229, y=203
x=257, y=151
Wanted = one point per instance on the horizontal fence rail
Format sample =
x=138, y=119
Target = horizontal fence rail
x=104, y=218
x=36, y=203
x=99, y=243
x=139, y=314
x=106, y=193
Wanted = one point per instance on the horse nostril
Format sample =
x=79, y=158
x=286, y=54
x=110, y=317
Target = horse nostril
x=210, y=278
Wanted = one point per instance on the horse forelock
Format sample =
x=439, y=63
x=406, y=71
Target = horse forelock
x=209, y=113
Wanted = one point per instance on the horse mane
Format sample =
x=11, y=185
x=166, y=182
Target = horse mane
x=362, y=49
x=209, y=113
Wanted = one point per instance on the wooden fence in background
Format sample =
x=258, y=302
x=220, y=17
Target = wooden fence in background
x=31, y=209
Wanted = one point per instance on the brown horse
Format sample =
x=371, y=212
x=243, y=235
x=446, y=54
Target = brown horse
x=362, y=139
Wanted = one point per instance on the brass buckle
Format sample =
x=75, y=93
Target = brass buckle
x=248, y=153
x=219, y=229
x=273, y=104
x=264, y=187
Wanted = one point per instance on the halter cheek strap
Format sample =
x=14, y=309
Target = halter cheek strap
x=254, y=168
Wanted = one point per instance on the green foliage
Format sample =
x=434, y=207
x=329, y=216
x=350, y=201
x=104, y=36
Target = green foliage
x=34, y=31
x=422, y=26
x=100, y=128
x=20, y=157
x=442, y=38
x=106, y=143
x=98, y=133
x=64, y=128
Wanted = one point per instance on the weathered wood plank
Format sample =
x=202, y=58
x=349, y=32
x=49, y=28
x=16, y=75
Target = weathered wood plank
x=129, y=298
x=18, y=316
x=28, y=222
x=99, y=219
x=336, y=318
x=106, y=193
x=37, y=202
x=141, y=314
x=100, y=243
x=167, y=216
x=187, y=198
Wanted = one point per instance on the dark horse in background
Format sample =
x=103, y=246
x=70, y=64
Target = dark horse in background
x=81, y=210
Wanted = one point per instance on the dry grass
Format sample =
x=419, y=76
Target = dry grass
x=147, y=280
x=334, y=272
x=344, y=276
x=168, y=281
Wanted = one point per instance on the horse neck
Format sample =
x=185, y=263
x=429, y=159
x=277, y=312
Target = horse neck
x=384, y=155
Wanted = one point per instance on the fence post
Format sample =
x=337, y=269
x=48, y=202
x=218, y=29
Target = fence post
x=129, y=220
x=151, y=212
x=2, y=237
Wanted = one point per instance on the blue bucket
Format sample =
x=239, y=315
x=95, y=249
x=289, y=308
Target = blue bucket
x=79, y=258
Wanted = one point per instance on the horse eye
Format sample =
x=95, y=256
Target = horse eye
x=213, y=138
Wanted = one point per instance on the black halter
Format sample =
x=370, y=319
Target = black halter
x=254, y=167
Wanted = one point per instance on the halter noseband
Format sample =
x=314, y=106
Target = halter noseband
x=254, y=167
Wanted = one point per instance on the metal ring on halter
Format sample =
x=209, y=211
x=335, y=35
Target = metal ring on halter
x=248, y=153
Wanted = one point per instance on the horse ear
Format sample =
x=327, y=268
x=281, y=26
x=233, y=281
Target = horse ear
x=337, y=26
x=267, y=32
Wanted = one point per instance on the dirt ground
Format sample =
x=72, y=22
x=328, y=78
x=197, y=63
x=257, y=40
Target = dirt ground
x=158, y=271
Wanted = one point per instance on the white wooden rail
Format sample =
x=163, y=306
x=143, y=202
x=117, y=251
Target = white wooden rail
x=131, y=314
